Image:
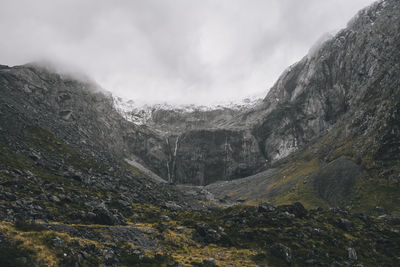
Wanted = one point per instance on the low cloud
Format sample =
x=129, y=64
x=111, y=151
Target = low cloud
x=177, y=51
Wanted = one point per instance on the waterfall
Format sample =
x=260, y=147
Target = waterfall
x=171, y=164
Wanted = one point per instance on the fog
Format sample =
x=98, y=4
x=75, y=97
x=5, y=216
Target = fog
x=175, y=51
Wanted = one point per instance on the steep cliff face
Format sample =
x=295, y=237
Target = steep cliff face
x=206, y=156
x=201, y=150
x=179, y=121
x=194, y=145
x=352, y=71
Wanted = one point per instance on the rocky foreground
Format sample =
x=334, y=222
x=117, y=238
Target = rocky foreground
x=266, y=235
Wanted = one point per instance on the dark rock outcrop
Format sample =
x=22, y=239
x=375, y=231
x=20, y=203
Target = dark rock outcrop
x=335, y=182
x=297, y=209
x=205, y=234
x=281, y=251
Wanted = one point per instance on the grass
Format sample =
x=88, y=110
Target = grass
x=373, y=193
x=31, y=242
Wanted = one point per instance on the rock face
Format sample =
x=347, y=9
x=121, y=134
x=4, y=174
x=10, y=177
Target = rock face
x=75, y=110
x=205, y=156
x=350, y=73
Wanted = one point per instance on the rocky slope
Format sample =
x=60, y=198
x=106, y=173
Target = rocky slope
x=63, y=135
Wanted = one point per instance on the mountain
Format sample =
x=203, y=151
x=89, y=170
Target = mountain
x=195, y=145
x=87, y=180
x=347, y=81
x=336, y=112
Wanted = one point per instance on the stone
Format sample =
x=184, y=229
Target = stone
x=57, y=242
x=35, y=156
x=266, y=207
x=209, y=263
x=206, y=235
x=352, y=254
x=171, y=205
x=180, y=229
x=104, y=217
x=344, y=224
x=54, y=198
x=281, y=251
x=392, y=219
x=297, y=209
x=65, y=114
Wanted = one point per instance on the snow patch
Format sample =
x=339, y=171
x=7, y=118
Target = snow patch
x=140, y=114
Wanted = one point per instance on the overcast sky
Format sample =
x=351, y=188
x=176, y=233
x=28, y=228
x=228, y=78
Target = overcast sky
x=176, y=51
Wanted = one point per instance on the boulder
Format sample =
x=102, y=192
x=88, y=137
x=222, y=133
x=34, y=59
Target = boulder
x=105, y=217
x=281, y=251
x=209, y=263
x=352, y=254
x=266, y=207
x=171, y=205
x=205, y=234
x=345, y=224
x=297, y=209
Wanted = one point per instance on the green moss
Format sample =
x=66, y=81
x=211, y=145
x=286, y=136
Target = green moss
x=51, y=145
x=13, y=255
x=373, y=193
x=12, y=159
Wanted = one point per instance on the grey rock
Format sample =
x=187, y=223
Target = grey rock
x=345, y=224
x=57, y=242
x=392, y=219
x=180, y=229
x=54, y=198
x=172, y=205
x=352, y=254
x=281, y=251
x=209, y=263
x=105, y=217
x=206, y=235
x=297, y=209
x=266, y=207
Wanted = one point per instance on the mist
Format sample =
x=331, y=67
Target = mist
x=175, y=51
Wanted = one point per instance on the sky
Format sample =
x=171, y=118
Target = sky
x=171, y=51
